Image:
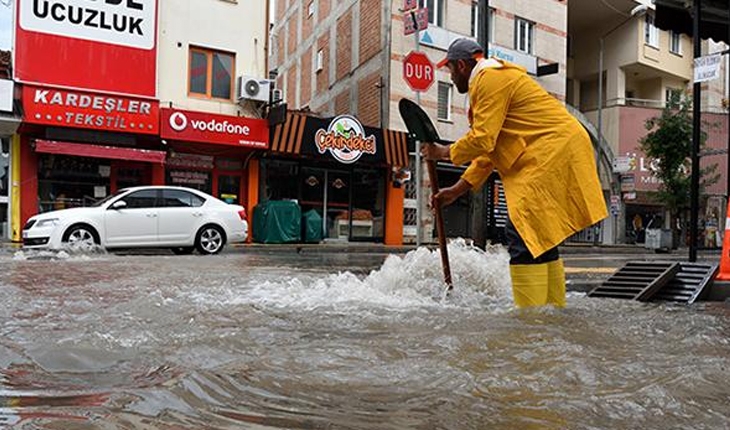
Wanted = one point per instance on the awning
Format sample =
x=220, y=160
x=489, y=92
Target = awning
x=297, y=136
x=99, y=151
x=677, y=16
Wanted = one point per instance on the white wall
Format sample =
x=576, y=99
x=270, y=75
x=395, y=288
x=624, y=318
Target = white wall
x=227, y=25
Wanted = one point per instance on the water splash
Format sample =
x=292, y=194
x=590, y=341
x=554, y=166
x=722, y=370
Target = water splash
x=415, y=280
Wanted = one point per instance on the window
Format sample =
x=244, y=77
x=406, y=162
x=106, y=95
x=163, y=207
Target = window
x=435, y=11
x=211, y=74
x=319, y=62
x=675, y=43
x=475, y=30
x=444, y=101
x=180, y=199
x=651, y=33
x=141, y=199
x=524, y=35
x=673, y=97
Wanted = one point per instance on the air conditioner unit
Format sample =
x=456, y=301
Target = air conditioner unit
x=252, y=88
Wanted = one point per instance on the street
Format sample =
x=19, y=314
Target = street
x=287, y=339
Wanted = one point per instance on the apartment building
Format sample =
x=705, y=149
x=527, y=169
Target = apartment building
x=140, y=92
x=347, y=57
x=643, y=67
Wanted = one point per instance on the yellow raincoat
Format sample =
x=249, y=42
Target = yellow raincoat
x=542, y=153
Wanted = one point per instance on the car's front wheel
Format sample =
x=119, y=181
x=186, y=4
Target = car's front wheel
x=210, y=240
x=81, y=236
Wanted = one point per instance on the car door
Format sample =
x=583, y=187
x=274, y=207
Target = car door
x=180, y=216
x=136, y=223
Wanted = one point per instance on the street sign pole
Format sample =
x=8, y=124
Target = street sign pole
x=419, y=170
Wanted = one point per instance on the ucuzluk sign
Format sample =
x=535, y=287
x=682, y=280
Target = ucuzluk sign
x=345, y=139
x=106, y=45
x=81, y=109
x=212, y=128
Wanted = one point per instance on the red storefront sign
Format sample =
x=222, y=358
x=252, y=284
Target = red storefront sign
x=107, y=45
x=213, y=128
x=66, y=108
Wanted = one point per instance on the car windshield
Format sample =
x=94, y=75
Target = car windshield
x=109, y=197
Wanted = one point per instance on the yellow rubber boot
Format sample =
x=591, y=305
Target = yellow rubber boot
x=529, y=284
x=556, y=283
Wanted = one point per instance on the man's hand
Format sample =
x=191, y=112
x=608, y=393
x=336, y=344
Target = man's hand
x=447, y=196
x=435, y=151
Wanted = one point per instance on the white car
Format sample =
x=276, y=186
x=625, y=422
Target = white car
x=179, y=218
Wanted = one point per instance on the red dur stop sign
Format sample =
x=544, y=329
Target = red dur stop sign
x=418, y=71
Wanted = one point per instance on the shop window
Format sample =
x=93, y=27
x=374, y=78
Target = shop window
x=211, y=74
x=180, y=199
x=281, y=180
x=66, y=181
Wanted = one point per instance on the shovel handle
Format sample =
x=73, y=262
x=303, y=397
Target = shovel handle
x=433, y=178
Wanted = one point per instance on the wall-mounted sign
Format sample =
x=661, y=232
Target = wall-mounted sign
x=213, y=128
x=345, y=139
x=191, y=161
x=67, y=108
x=707, y=68
x=107, y=45
x=415, y=20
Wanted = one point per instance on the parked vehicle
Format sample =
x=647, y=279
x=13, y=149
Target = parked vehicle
x=179, y=218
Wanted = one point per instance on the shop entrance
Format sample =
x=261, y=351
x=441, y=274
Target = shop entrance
x=350, y=202
x=229, y=188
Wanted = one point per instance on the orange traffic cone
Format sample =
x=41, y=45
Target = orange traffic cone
x=724, y=273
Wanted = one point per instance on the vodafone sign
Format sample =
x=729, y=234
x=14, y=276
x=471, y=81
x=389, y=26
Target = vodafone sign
x=102, y=45
x=212, y=128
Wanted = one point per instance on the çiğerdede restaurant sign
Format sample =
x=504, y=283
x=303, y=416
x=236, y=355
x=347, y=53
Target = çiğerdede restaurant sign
x=213, y=128
x=106, y=45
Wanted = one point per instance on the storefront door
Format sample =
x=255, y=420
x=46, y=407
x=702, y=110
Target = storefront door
x=327, y=192
x=229, y=188
x=336, y=198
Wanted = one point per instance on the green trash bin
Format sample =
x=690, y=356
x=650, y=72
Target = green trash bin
x=277, y=221
x=312, y=226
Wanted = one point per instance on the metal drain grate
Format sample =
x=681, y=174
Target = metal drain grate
x=637, y=280
x=689, y=284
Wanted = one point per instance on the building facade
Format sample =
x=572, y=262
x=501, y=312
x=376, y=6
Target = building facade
x=643, y=67
x=349, y=57
x=143, y=96
x=148, y=95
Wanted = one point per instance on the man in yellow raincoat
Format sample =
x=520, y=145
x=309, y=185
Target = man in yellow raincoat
x=543, y=156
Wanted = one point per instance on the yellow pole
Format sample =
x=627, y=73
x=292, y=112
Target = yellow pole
x=15, y=227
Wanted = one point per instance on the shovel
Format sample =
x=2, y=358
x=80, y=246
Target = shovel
x=419, y=125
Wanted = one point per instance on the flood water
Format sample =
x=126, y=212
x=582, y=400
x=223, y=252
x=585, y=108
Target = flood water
x=104, y=341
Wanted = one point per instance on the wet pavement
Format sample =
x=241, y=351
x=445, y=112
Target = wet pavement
x=298, y=339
